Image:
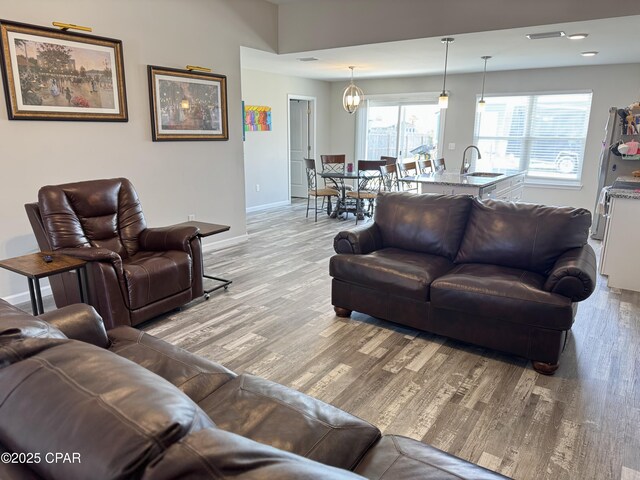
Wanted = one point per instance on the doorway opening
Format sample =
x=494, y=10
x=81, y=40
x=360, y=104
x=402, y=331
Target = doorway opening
x=302, y=135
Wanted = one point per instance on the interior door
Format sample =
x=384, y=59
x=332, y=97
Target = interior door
x=299, y=145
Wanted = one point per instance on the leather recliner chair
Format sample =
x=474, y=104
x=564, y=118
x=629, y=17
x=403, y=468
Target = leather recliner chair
x=134, y=273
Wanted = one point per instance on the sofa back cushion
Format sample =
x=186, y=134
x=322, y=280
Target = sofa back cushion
x=522, y=235
x=70, y=397
x=96, y=213
x=422, y=223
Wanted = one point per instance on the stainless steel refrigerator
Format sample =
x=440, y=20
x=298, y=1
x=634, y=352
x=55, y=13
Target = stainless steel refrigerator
x=611, y=166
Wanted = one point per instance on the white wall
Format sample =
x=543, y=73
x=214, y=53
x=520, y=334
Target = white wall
x=613, y=85
x=266, y=153
x=305, y=26
x=173, y=179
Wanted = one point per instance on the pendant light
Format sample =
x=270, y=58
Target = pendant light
x=482, y=103
x=352, y=96
x=443, y=100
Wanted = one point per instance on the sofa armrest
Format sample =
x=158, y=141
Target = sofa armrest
x=94, y=254
x=359, y=240
x=574, y=274
x=167, y=238
x=79, y=322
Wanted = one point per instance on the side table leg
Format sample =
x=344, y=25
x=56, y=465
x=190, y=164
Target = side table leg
x=224, y=283
x=38, y=296
x=32, y=296
x=82, y=284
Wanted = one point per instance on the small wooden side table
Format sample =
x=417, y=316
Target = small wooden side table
x=34, y=267
x=206, y=230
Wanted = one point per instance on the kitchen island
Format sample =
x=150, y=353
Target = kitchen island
x=504, y=185
x=620, y=257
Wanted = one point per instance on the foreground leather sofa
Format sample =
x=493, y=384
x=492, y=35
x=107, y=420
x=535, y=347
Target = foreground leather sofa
x=134, y=273
x=502, y=275
x=79, y=402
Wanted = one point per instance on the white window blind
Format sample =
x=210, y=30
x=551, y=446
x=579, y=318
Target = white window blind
x=543, y=134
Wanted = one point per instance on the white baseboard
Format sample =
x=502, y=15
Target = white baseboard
x=23, y=297
x=268, y=206
x=229, y=242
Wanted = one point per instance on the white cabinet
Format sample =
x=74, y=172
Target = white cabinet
x=619, y=258
x=449, y=189
x=509, y=188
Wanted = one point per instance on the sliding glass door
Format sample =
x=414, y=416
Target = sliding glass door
x=400, y=129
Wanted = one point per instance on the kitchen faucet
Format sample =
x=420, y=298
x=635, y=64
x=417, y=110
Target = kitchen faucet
x=464, y=168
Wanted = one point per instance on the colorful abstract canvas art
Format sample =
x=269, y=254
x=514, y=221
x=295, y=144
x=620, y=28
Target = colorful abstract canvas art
x=257, y=118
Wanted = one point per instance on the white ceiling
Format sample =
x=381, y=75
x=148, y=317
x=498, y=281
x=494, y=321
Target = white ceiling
x=615, y=39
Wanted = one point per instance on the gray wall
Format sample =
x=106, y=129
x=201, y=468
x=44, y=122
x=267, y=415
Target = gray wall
x=266, y=153
x=303, y=26
x=173, y=179
x=613, y=85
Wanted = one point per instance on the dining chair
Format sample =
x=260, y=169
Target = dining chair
x=389, y=160
x=424, y=166
x=438, y=165
x=407, y=169
x=313, y=190
x=389, y=177
x=336, y=163
x=369, y=185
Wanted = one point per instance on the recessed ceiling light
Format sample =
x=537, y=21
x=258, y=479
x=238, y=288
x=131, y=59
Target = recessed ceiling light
x=308, y=59
x=588, y=54
x=578, y=36
x=538, y=36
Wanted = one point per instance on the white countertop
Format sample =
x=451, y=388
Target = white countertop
x=457, y=179
x=624, y=192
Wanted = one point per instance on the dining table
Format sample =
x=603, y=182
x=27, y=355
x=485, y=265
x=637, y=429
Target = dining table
x=338, y=180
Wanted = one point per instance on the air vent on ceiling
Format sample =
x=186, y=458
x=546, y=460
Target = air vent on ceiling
x=308, y=59
x=538, y=36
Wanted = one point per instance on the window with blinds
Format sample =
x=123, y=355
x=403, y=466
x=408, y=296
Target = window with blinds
x=543, y=134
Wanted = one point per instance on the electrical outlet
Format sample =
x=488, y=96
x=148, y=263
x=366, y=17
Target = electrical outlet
x=452, y=146
x=191, y=217
x=257, y=187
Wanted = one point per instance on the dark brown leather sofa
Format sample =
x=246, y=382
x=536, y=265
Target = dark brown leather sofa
x=502, y=275
x=134, y=273
x=121, y=404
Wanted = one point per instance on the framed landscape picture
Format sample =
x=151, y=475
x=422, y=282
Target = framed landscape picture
x=187, y=105
x=51, y=74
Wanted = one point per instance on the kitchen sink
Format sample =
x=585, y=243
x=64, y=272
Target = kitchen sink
x=483, y=174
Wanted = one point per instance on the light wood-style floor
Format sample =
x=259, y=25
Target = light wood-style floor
x=276, y=321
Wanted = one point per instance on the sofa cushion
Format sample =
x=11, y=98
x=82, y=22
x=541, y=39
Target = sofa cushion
x=214, y=454
x=152, y=276
x=510, y=294
x=431, y=224
x=77, y=398
x=16, y=471
x=16, y=324
x=400, y=458
x=196, y=376
x=284, y=418
x=522, y=235
x=401, y=272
